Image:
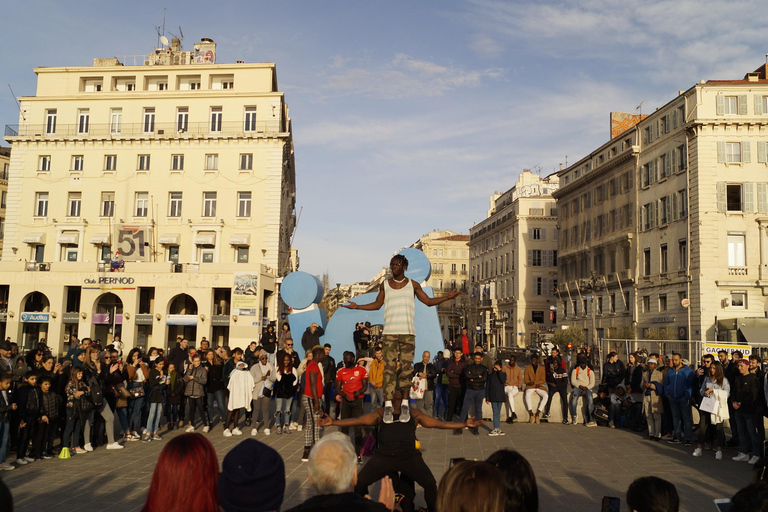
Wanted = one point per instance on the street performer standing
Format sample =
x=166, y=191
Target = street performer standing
x=399, y=334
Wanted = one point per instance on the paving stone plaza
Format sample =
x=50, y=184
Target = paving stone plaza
x=575, y=467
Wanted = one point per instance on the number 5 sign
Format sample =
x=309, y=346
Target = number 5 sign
x=131, y=241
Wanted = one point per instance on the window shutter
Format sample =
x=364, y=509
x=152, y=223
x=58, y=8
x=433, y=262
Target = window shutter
x=720, y=105
x=742, y=104
x=655, y=174
x=721, y=152
x=668, y=208
x=621, y=218
x=673, y=160
x=530, y=235
x=761, y=153
x=758, y=104
x=674, y=119
x=674, y=207
x=530, y=257
x=746, y=156
x=549, y=261
x=652, y=214
x=543, y=234
x=749, y=197
x=721, y=196
x=762, y=197
x=668, y=163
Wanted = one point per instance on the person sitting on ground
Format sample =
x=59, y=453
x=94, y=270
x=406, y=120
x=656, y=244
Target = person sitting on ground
x=252, y=479
x=522, y=491
x=472, y=486
x=396, y=450
x=620, y=401
x=582, y=380
x=535, y=378
x=333, y=473
x=185, y=478
x=652, y=494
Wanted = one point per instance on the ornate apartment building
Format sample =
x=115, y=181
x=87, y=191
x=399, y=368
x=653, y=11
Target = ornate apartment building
x=663, y=228
x=149, y=200
x=513, y=264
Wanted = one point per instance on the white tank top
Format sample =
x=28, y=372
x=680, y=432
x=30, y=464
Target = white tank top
x=399, y=309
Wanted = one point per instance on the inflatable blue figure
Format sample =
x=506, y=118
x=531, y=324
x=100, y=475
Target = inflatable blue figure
x=302, y=291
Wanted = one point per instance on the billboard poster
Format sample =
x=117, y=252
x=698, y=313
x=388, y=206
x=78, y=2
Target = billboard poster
x=245, y=294
x=132, y=241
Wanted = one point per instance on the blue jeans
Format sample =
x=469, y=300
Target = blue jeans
x=134, y=406
x=441, y=399
x=5, y=428
x=122, y=415
x=745, y=422
x=283, y=411
x=496, y=406
x=575, y=394
x=682, y=418
x=614, y=414
x=220, y=399
x=155, y=413
x=473, y=396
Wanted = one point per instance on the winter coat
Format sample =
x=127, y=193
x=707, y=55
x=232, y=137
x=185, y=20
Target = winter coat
x=652, y=396
x=494, y=390
x=175, y=388
x=476, y=375
x=196, y=386
x=455, y=371
x=613, y=374
x=679, y=383
x=258, y=383
x=537, y=379
x=431, y=372
x=287, y=384
x=156, y=384
x=215, y=378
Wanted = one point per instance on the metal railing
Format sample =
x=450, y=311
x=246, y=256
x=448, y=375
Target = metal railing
x=690, y=350
x=160, y=130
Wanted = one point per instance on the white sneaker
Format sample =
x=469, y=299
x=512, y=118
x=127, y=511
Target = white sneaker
x=388, y=412
x=741, y=457
x=21, y=462
x=29, y=459
x=115, y=446
x=237, y=432
x=753, y=460
x=299, y=427
x=206, y=429
x=267, y=432
x=88, y=447
x=254, y=431
x=591, y=424
x=405, y=413
x=718, y=455
x=697, y=452
x=190, y=428
x=7, y=467
x=293, y=425
x=227, y=433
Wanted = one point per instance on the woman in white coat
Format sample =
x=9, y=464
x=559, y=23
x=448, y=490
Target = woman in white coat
x=717, y=387
x=264, y=376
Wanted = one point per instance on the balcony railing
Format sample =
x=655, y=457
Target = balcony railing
x=37, y=267
x=737, y=271
x=159, y=130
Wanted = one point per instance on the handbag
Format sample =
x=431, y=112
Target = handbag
x=120, y=391
x=709, y=404
x=418, y=385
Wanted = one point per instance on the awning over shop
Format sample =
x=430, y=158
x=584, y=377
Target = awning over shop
x=205, y=238
x=100, y=239
x=34, y=238
x=69, y=238
x=754, y=334
x=169, y=239
x=240, y=239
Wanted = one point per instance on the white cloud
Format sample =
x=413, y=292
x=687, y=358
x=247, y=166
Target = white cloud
x=485, y=46
x=400, y=77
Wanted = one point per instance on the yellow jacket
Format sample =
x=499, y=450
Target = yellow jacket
x=376, y=374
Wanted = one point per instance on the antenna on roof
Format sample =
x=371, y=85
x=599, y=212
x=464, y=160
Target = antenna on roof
x=639, y=108
x=17, y=103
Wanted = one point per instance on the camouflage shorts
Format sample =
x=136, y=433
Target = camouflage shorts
x=397, y=347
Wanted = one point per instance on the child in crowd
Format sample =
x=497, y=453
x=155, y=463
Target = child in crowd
x=26, y=430
x=43, y=409
x=77, y=405
x=175, y=393
x=6, y=406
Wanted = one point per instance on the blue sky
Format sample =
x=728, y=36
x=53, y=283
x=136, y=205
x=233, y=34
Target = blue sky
x=408, y=115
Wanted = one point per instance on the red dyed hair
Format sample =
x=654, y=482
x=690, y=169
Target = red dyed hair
x=186, y=477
